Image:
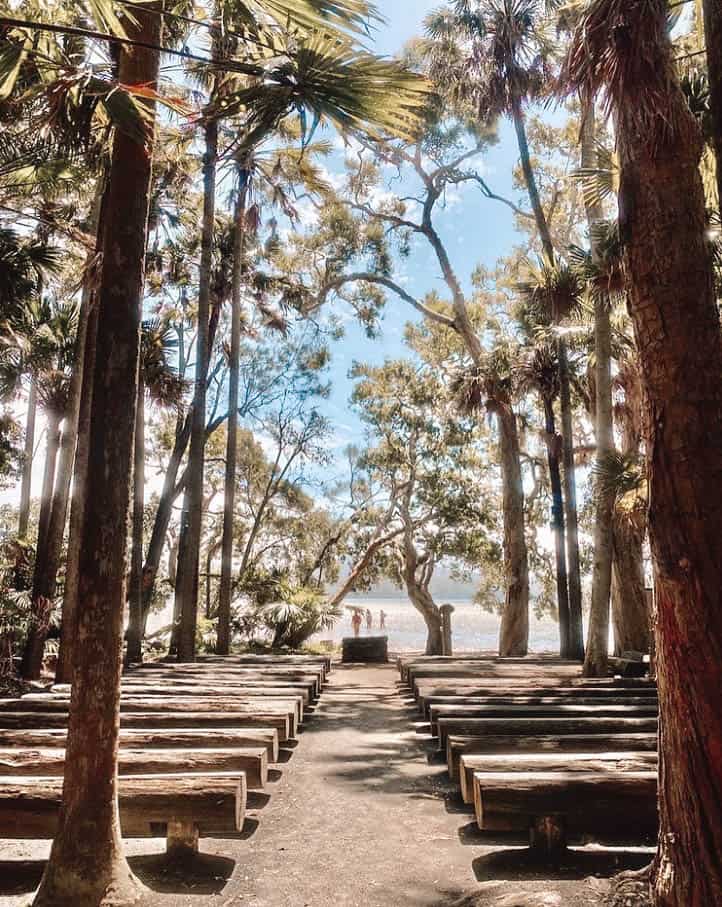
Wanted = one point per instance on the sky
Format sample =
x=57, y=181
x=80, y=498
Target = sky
x=475, y=231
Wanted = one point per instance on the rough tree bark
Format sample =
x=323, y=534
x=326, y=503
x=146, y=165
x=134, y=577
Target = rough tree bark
x=186, y=591
x=87, y=867
x=712, y=10
x=85, y=363
x=28, y=451
x=224, y=602
x=673, y=307
x=134, y=636
x=514, y=632
x=631, y=619
x=596, y=661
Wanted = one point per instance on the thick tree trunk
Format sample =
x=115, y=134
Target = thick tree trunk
x=555, y=480
x=85, y=364
x=224, y=602
x=713, y=39
x=631, y=619
x=676, y=322
x=134, y=636
x=41, y=602
x=514, y=633
x=28, y=451
x=596, y=659
x=186, y=590
x=87, y=867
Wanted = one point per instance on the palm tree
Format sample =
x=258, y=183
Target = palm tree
x=623, y=49
x=336, y=83
x=553, y=289
x=539, y=371
x=491, y=386
x=495, y=54
x=159, y=381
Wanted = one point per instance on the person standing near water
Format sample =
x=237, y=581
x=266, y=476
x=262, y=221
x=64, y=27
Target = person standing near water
x=356, y=623
x=369, y=619
x=382, y=619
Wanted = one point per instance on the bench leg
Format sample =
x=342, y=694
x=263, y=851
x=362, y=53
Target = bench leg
x=548, y=836
x=181, y=839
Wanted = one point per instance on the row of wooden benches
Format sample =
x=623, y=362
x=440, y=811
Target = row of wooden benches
x=194, y=739
x=536, y=748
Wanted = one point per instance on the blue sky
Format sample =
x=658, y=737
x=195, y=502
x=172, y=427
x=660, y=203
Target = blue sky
x=474, y=229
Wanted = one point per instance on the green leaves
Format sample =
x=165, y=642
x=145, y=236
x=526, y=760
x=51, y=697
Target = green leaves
x=12, y=55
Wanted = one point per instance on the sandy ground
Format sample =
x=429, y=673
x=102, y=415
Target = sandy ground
x=360, y=814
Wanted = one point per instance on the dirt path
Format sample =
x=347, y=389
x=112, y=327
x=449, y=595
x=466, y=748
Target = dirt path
x=360, y=817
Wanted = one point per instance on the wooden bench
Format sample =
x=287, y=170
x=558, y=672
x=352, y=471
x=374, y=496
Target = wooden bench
x=486, y=686
x=240, y=675
x=158, y=738
x=253, y=763
x=551, y=806
x=407, y=664
x=458, y=746
x=521, y=727
x=182, y=807
x=220, y=690
x=545, y=698
x=600, y=762
x=59, y=702
x=560, y=710
x=155, y=720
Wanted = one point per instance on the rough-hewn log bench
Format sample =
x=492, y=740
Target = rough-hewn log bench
x=241, y=675
x=180, y=806
x=551, y=806
x=561, y=710
x=599, y=762
x=293, y=707
x=490, y=686
x=456, y=747
x=216, y=662
x=158, y=738
x=155, y=720
x=253, y=763
x=521, y=727
x=500, y=701
x=483, y=671
x=171, y=687
x=405, y=663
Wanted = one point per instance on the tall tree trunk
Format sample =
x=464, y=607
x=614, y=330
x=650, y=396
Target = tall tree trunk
x=134, y=636
x=41, y=604
x=596, y=662
x=87, y=866
x=555, y=480
x=224, y=602
x=85, y=364
x=28, y=452
x=191, y=521
x=713, y=39
x=630, y=611
x=45, y=583
x=676, y=323
x=574, y=579
x=514, y=633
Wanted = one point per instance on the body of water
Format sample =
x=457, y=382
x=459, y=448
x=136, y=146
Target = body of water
x=473, y=629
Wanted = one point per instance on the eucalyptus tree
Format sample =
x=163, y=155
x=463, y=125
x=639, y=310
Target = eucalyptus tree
x=349, y=257
x=495, y=57
x=425, y=454
x=674, y=311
